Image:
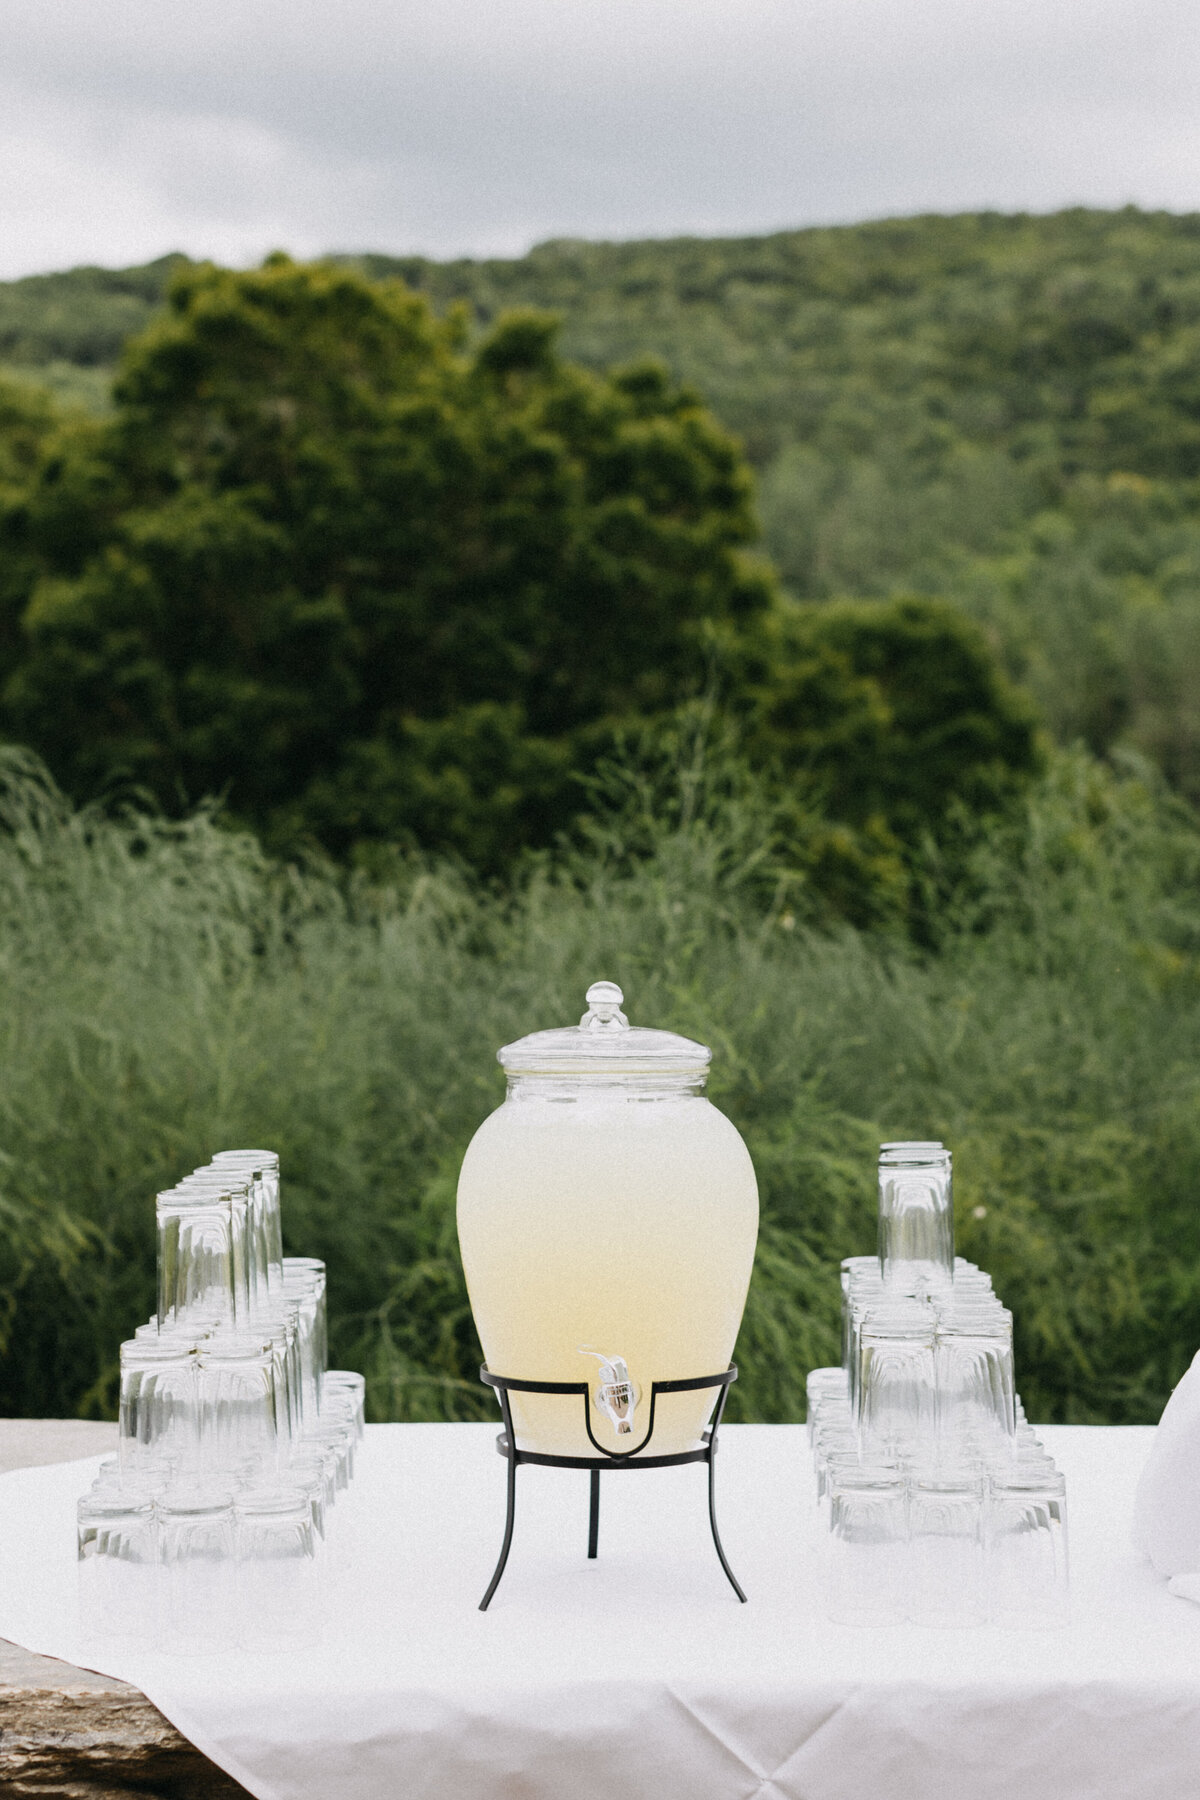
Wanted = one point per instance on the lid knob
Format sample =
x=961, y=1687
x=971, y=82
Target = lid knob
x=604, y=1008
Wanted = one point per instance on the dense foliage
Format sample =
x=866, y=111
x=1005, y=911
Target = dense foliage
x=167, y=990
x=374, y=590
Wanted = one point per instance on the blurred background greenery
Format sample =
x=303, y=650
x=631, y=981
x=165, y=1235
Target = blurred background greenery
x=803, y=631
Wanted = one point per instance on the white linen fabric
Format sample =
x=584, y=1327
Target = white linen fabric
x=638, y=1676
x=1167, y=1507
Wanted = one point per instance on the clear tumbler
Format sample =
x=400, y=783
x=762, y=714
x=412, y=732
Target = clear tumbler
x=896, y=1377
x=945, y=1513
x=277, y=1569
x=821, y=1383
x=916, y=1215
x=975, y=1390
x=197, y=1545
x=230, y=1186
x=347, y=1391
x=306, y=1274
x=866, y=1552
x=1027, y=1547
x=238, y=1405
x=117, y=1544
x=260, y=1170
x=305, y=1290
x=201, y=1256
x=158, y=1416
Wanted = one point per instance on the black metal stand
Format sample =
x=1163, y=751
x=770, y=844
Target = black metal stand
x=506, y=1444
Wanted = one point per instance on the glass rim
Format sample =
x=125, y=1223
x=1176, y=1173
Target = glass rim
x=267, y=1502
x=174, y=1347
x=226, y=1349
x=110, y=1499
x=1030, y=1481
x=948, y=1477
x=196, y=1502
x=868, y=1477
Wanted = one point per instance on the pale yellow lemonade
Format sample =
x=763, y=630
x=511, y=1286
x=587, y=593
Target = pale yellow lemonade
x=615, y=1220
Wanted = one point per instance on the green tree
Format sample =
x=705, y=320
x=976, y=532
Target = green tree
x=27, y=419
x=365, y=583
x=892, y=722
x=898, y=711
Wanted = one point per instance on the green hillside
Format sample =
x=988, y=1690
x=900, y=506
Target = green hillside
x=1001, y=410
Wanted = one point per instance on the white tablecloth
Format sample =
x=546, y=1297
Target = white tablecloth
x=638, y=1676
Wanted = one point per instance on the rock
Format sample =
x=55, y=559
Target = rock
x=74, y=1743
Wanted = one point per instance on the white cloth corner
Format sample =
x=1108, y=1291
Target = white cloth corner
x=1166, y=1514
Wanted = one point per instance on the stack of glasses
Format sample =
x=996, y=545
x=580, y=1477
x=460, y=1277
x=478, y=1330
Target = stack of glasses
x=215, y=1522
x=941, y=1504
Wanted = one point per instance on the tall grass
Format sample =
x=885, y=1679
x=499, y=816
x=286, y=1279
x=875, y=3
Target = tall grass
x=166, y=991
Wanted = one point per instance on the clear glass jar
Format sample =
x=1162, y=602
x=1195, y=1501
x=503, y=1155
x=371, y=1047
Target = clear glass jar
x=607, y=1214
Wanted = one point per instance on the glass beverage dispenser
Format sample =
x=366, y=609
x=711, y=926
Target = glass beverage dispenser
x=607, y=1215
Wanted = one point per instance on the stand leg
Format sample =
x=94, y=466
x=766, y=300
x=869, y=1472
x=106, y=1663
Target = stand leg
x=712, y=1497
x=594, y=1515
x=494, y=1583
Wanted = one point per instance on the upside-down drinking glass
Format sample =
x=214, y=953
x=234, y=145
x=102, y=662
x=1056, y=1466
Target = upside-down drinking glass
x=945, y=1514
x=197, y=1546
x=157, y=1407
x=896, y=1377
x=866, y=1563
x=916, y=1216
x=1027, y=1546
x=238, y=1403
x=975, y=1389
x=117, y=1547
x=277, y=1568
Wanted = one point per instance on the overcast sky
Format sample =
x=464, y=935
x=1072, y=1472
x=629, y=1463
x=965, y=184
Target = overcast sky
x=229, y=127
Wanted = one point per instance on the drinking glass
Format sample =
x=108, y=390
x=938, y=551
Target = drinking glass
x=830, y=1409
x=308, y=1273
x=314, y=1469
x=280, y=1325
x=945, y=1512
x=264, y=1163
x=347, y=1385
x=148, y=1479
x=896, y=1377
x=866, y=1551
x=974, y=1372
x=832, y=1442
x=819, y=1384
x=238, y=1403
x=338, y=1438
x=305, y=1290
x=157, y=1408
x=277, y=1568
x=916, y=1216
x=858, y=1265
x=202, y=1267
x=863, y=1293
x=1027, y=1547
x=221, y=1186
x=197, y=1584
x=117, y=1549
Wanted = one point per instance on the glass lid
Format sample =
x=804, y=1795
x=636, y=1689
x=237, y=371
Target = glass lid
x=604, y=1043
